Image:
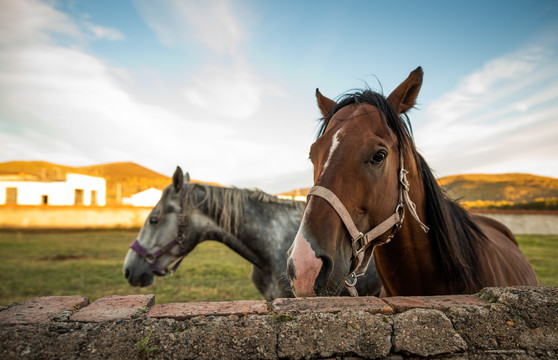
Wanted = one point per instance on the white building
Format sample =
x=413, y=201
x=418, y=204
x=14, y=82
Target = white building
x=75, y=189
x=148, y=198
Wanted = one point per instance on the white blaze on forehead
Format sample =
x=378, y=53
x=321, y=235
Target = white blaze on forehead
x=307, y=265
x=334, y=144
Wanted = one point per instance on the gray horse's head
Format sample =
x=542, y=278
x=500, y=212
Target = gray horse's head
x=164, y=237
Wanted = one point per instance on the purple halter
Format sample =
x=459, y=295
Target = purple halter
x=178, y=240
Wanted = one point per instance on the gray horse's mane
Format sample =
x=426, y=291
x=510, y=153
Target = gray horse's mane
x=225, y=204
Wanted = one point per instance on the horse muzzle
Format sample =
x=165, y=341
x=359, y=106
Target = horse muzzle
x=306, y=270
x=136, y=271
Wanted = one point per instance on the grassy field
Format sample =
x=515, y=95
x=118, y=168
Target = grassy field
x=89, y=263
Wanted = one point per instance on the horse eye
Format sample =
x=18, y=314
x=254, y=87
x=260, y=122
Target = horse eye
x=153, y=220
x=378, y=157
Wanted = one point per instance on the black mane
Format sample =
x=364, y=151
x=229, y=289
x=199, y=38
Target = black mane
x=400, y=125
x=452, y=230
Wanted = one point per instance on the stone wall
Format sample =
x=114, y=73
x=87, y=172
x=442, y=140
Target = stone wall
x=497, y=323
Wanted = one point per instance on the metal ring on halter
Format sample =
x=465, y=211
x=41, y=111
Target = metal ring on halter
x=360, y=247
x=353, y=277
x=401, y=210
x=392, y=234
x=353, y=281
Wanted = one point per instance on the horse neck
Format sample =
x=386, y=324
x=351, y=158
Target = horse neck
x=251, y=228
x=407, y=264
x=269, y=227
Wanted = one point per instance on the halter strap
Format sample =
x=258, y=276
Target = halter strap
x=151, y=258
x=361, y=242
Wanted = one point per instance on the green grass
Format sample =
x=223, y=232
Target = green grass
x=89, y=263
x=542, y=253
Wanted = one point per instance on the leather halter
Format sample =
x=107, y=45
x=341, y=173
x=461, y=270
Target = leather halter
x=151, y=258
x=360, y=242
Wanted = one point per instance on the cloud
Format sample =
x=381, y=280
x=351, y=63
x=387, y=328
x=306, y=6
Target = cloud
x=209, y=23
x=501, y=118
x=62, y=104
x=67, y=103
x=100, y=32
x=31, y=21
x=220, y=31
x=237, y=93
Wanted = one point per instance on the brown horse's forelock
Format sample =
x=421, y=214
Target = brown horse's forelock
x=454, y=234
x=225, y=204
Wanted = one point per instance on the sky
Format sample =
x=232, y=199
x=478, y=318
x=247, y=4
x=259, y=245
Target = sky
x=225, y=89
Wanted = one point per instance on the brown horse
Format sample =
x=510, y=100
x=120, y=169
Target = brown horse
x=369, y=175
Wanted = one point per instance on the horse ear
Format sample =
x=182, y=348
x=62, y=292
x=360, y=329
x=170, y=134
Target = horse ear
x=326, y=105
x=187, y=177
x=404, y=97
x=178, y=179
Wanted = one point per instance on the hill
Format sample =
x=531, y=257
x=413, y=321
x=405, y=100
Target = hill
x=123, y=178
x=503, y=187
x=40, y=169
x=499, y=191
x=473, y=190
x=503, y=191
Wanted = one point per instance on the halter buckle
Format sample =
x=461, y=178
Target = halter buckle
x=357, y=244
x=401, y=210
x=150, y=258
x=180, y=241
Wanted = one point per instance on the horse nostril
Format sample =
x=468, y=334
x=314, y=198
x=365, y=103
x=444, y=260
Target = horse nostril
x=127, y=274
x=324, y=274
x=291, y=271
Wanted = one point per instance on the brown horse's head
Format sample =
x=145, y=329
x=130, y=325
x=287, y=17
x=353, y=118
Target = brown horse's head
x=357, y=157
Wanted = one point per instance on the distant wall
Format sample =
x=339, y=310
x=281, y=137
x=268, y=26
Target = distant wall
x=72, y=217
x=541, y=223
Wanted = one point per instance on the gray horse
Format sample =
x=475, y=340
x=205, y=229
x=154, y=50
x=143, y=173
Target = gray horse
x=258, y=226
